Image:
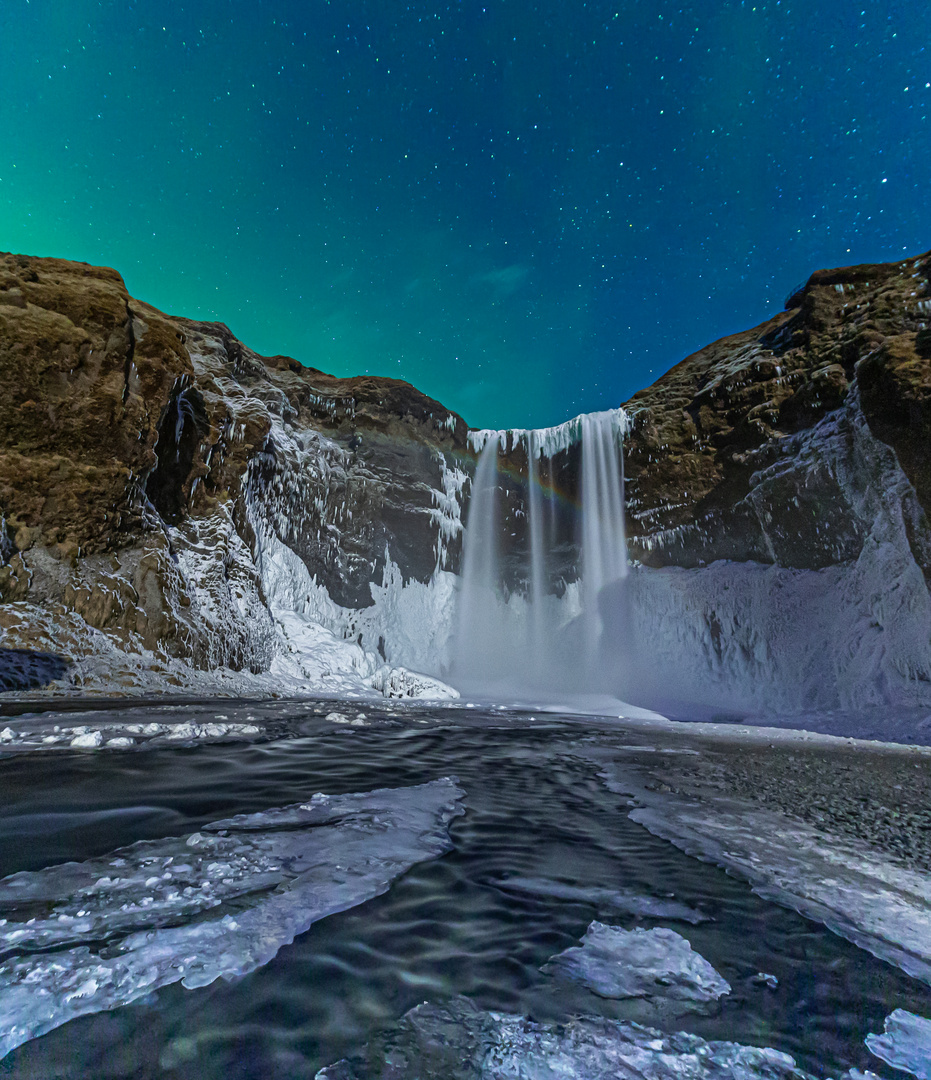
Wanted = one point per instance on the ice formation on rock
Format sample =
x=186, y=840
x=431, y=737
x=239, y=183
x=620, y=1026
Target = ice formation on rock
x=457, y=1041
x=658, y=964
x=854, y=633
x=905, y=1043
x=85, y=937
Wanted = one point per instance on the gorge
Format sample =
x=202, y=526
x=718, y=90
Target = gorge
x=181, y=513
x=321, y=702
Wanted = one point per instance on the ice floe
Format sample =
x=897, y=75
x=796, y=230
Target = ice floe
x=657, y=964
x=458, y=1041
x=609, y=901
x=109, y=732
x=86, y=937
x=905, y=1043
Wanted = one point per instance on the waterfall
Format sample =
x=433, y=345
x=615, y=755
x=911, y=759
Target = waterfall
x=520, y=626
x=478, y=630
x=604, y=539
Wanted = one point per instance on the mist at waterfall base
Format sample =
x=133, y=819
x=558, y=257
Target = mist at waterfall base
x=527, y=627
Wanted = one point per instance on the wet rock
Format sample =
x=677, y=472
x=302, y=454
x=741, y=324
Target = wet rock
x=21, y=669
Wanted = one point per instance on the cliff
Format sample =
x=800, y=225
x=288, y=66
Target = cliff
x=715, y=458
x=779, y=483
x=155, y=473
x=178, y=511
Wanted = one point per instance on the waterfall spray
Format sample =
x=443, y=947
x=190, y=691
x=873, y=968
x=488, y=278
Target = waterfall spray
x=519, y=638
x=604, y=540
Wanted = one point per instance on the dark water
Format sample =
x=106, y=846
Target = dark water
x=535, y=807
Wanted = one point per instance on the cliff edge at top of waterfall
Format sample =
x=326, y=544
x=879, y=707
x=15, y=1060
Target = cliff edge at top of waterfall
x=706, y=460
x=88, y=379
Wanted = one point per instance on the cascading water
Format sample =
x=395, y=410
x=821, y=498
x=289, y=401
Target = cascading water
x=477, y=615
x=518, y=629
x=604, y=539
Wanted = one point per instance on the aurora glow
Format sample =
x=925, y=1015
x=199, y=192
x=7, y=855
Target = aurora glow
x=526, y=209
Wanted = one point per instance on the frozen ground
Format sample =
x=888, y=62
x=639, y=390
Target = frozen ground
x=897, y=724
x=85, y=937
x=656, y=964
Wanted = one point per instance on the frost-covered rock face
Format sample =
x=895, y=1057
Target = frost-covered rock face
x=712, y=470
x=178, y=512
x=778, y=496
x=173, y=505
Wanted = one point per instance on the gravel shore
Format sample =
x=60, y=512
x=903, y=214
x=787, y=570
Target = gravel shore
x=877, y=793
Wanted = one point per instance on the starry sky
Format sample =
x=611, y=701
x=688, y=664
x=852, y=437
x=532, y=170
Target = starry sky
x=527, y=208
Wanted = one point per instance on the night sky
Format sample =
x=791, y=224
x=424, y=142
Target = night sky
x=528, y=209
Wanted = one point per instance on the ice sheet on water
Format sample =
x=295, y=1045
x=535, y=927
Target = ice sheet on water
x=115, y=733
x=610, y=901
x=658, y=964
x=85, y=937
x=905, y=1043
x=459, y=1042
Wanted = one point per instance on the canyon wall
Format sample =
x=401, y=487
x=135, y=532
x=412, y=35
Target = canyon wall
x=778, y=490
x=177, y=512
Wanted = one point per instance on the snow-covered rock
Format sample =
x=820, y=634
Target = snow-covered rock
x=203, y=519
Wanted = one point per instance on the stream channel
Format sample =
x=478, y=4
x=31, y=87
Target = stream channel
x=535, y=807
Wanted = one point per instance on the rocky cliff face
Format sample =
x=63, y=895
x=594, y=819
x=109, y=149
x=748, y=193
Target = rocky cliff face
x=164, y=491
x=716, y=465
x=799, y=452
x=179, y=511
